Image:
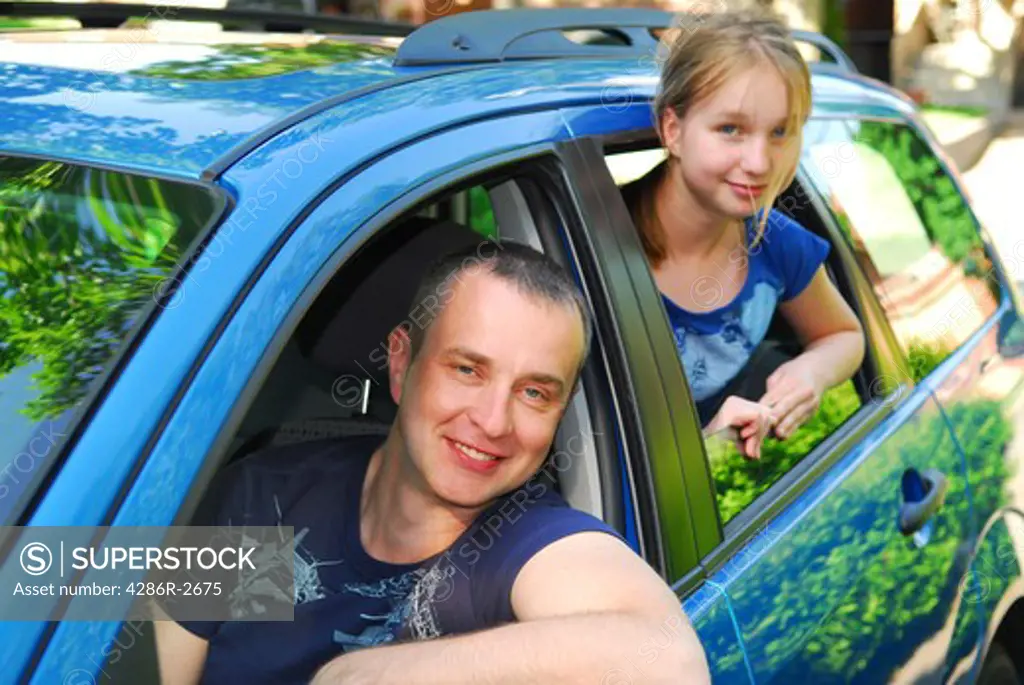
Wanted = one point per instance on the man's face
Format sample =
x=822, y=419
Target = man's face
x=480, y=404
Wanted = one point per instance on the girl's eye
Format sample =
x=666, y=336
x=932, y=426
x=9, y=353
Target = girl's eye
x=729, y=129
x=780, y=132
x=464, y=370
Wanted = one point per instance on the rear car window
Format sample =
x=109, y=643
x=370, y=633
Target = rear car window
x=911, y=230
x=84, y=254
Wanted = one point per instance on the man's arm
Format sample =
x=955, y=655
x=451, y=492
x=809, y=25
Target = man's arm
x=181, y=654
x=589, y=611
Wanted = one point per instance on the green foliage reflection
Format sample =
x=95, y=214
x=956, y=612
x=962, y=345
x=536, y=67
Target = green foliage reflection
x=81, y=253
x=739, y=482
x=849, y=599
x=481, y=214
x=232, y=62
x=942, y=209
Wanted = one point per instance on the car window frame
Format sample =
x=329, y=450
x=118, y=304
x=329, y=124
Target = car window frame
x=1011, y=289
x=461, y=179
x=1008, y=290
x=79, y=418
x=559, y=209
x=25, y=642
x=721, y=542
x=883, y=345
x=882, y=356
x=674, y=483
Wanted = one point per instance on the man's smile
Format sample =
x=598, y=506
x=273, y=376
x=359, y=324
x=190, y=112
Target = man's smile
x=472, y=457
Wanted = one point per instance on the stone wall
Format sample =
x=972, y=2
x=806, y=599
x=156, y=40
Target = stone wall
x=974, y=60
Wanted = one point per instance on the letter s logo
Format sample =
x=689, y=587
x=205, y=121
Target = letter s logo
x=36, y=558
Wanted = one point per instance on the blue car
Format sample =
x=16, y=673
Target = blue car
x=206, y=235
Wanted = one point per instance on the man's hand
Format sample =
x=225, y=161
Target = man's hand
x=793, y=395
x=588, y=610
x=744, y=422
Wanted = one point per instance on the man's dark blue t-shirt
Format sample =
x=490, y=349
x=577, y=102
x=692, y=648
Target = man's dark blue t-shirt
x=345, y=599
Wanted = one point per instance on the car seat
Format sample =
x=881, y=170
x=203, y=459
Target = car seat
x=345, y=333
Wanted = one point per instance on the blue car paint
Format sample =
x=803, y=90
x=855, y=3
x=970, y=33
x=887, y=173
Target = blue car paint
x=246, y=237
x=975, y=388
x=180, y=127
x=813, y=643
x=712, y=616
x=804, y=586
x=359, y=133
x=203, y=297
x=754, y=583
x=976, y=371
x=157, y=125
x=197, y=421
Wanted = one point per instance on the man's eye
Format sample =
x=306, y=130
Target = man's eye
x=535, y=394
x=464, y=370
x=729, y=129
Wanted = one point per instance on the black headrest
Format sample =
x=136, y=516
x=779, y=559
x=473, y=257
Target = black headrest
x=354, y=339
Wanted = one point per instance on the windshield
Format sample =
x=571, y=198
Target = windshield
x=82, y=252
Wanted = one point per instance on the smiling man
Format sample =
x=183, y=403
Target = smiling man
x=437, y=555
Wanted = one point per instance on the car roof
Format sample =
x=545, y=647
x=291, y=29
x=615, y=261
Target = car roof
x=178, y=102
x=172, y=103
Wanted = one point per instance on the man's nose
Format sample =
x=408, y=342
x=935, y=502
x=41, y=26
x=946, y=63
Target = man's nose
x=492, y=411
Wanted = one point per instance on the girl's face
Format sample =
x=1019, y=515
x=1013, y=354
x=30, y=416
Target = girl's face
x=732, y=144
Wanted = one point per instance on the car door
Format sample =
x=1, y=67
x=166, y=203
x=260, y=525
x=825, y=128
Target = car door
x=813, y=567
x=663, y=476
x=197, y=433
x=952, y=308
x=85, y=368
x=906, y=618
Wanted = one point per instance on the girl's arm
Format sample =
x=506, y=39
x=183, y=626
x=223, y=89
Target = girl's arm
x=833, y=342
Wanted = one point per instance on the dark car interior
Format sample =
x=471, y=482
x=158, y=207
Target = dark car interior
x=331, y=378
x=343, y=336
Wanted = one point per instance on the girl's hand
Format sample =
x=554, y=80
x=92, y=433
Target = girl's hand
x=793, y=395
x=744, y=422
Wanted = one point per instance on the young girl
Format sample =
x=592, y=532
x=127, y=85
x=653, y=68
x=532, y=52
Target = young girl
x=733, y=98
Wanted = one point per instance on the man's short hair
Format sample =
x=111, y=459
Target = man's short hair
x=532, y=272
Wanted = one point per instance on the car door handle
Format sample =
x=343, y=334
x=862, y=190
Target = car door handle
x=923, y=495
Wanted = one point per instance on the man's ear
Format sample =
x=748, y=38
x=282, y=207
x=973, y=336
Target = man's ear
x=399, y=360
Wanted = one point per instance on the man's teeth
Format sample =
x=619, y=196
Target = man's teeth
x=474, y=453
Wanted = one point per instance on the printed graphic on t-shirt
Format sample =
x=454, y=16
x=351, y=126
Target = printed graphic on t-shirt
x=380, y=629
x=412, y=596
x=252, y=589
x=711, y=360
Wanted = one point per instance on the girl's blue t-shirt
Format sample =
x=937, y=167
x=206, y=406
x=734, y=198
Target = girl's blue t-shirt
x=715, y=344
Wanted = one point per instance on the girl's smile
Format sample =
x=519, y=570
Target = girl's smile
x=744, y=190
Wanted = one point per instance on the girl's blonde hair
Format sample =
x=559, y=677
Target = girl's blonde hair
x=708, y=50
